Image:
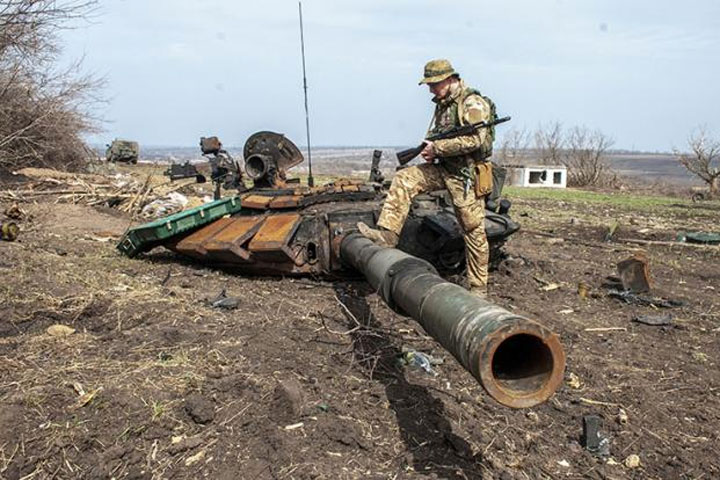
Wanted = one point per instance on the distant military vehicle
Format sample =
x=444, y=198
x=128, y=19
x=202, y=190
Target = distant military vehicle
x=126, y=151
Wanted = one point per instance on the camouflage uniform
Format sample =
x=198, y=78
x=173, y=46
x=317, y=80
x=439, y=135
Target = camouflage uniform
x=457, y=158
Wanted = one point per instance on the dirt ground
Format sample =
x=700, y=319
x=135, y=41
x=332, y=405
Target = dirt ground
x=302, y=380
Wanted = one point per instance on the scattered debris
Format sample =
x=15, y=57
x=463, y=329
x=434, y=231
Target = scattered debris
x=419, y=359
x=629, y=297
x=703, y=238
x=58, y=330
x=547, y=286
x=119, y=191
x=171, y=203
x=564, y=463
x=294, y=426
x=635, y=273
x=573, y=381
x=654, y=320
x=9, y=231
x=95, y=238
x=622, y=417
x=583, y=290
x=164, y=356
x=86, y=398
x=597, y=402
x=14, y=212
x=195, y=458
x=223, y=301
x=611, y=231
x=79, y=389
x=632, y=461
x=593, y=439
x=606, y=329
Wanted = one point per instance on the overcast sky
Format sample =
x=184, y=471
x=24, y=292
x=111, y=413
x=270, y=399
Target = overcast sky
x=645, y=72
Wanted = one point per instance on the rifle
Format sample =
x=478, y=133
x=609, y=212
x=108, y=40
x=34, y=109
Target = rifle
x=406, y=155
x=177, y=171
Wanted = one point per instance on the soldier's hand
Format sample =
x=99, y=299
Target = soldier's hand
x=428, y=152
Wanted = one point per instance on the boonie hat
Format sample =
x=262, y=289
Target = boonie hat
x=437, y=71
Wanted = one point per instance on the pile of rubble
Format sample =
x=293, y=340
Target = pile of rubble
x=151, y=197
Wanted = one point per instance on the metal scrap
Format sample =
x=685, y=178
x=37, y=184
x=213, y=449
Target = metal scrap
x=633, y=298
x=419, y=359
x=635, y=273
x=703, y=238
x=594, y=440
x=223, y=301
x=654, y=320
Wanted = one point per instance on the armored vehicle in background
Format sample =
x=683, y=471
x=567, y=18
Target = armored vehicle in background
x=126, y=151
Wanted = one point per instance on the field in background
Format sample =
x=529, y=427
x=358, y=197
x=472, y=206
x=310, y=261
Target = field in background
x=640, y=167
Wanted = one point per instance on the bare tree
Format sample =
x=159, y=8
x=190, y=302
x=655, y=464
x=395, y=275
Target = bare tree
x=43, y=109
x=585, y=157
x=515, y=142
x=704, y=159
x=549, y=143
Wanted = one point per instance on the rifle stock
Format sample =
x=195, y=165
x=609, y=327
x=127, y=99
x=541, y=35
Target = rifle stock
x=406, y=155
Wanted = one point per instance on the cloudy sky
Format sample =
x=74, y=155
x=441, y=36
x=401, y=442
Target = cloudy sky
x=643, y=71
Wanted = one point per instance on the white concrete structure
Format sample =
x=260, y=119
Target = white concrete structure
x=548, y=176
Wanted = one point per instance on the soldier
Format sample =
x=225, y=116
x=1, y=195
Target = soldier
x=462, y=167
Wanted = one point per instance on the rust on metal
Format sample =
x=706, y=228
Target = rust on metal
x=635, y=273
x=286, y=201
x=256, y=202
x=192, y=244
x=275, y=232
x=228, y=243
x=522, y=365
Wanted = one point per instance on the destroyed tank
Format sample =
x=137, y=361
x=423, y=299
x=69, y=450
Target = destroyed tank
x=285, y=228
x=280, y=227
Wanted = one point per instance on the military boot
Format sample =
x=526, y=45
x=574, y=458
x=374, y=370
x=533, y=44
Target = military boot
x=381, y=237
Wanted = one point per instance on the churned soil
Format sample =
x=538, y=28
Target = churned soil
x=303, y=378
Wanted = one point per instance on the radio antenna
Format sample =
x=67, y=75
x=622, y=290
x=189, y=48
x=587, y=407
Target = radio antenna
x=311, y=181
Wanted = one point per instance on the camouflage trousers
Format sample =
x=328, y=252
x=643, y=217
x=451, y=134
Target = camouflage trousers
x=469, y=209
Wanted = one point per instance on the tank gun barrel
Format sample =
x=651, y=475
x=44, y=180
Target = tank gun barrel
x=519, y=362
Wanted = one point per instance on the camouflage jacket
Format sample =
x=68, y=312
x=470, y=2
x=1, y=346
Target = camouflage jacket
x=449, y=113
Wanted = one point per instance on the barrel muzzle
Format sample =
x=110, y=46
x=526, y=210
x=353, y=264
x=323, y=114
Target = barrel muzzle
x=519, y=362
x=257, y=166
x=522, y=366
